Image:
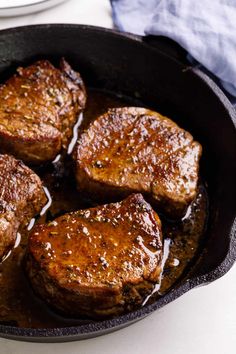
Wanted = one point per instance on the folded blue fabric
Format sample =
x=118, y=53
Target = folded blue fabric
x=205, y=28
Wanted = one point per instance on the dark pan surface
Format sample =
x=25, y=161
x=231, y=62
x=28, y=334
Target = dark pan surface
x=156, y=73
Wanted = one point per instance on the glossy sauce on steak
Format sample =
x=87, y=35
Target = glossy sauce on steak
x=183, y=239
x=38, y=109
x=21, y=198
x=134, y=149
x=97, y=262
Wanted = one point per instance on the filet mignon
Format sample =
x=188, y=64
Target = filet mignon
x=97, y=262
x=38, y=109
x=21, y=198
x=133, y=149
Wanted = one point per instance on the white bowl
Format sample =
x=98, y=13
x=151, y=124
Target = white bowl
x=23, y=7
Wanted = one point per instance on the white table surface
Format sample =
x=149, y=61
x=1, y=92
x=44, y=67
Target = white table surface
x=202, y=321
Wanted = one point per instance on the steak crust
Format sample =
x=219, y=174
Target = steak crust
x=97, y=262
x=21, y=198
x=132, y=149
x=39, y=106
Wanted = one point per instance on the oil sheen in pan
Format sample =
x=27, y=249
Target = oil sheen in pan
x=183, y=239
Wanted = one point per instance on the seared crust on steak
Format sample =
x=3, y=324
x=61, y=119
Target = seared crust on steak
x=97, y=262
x=21, y=198
x=38, y=109
x=134, y=149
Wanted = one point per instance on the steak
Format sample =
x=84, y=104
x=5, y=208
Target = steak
x=21, y=198
x=131, y=149
x=97, y=262
x=38, y=109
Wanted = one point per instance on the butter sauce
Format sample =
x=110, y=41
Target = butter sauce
x=183, y=240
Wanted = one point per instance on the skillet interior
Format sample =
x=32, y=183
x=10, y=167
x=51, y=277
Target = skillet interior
x=127, y=65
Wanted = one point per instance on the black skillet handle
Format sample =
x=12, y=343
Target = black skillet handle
x=168, y=47
x=174, y=51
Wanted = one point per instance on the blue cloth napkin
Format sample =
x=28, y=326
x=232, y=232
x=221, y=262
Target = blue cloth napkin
x=205, y=28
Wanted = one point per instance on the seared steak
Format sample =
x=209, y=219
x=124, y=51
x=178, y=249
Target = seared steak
x=38, y=109
x=21, y=198
x=132, y=149
x=97, y=262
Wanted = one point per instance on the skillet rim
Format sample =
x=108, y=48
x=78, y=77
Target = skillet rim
x=99, y=328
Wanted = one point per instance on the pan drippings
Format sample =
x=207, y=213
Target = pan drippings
x=183, y=239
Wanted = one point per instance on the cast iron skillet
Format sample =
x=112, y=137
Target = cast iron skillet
x=156, y=71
